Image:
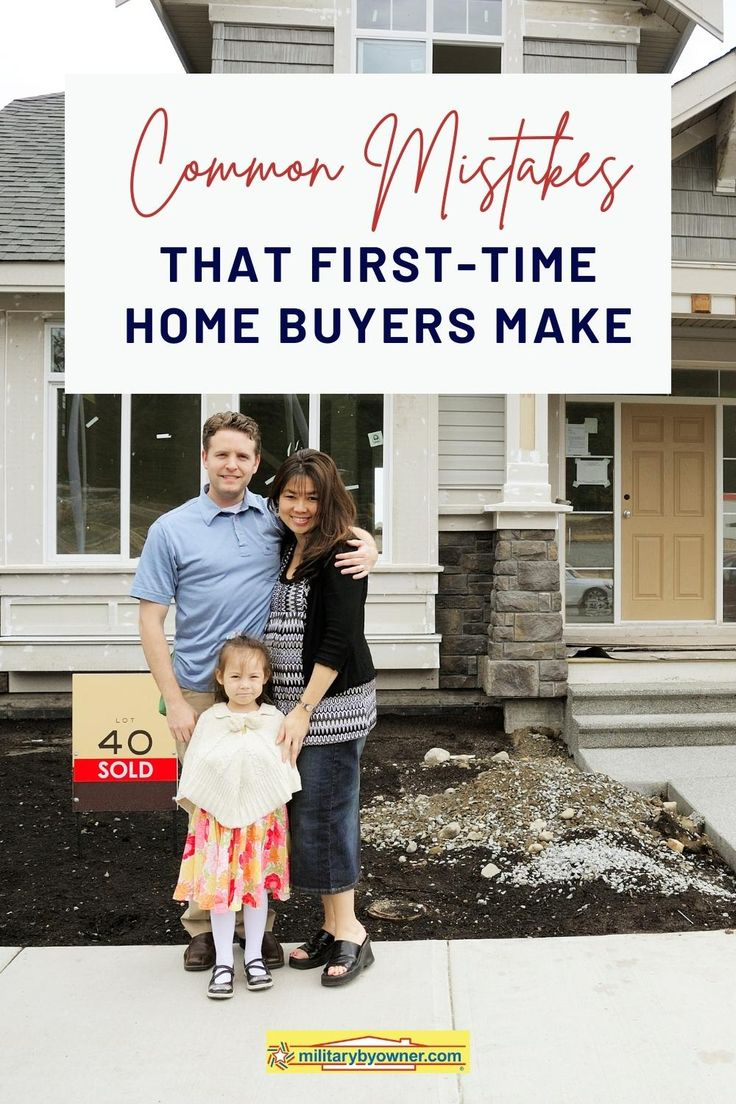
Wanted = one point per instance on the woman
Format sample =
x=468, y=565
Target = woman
x=324, y=681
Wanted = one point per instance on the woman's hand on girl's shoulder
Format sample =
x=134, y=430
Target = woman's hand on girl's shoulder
x=362, y=557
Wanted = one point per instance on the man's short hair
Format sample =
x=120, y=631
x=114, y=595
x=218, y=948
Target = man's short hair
x=231, y=419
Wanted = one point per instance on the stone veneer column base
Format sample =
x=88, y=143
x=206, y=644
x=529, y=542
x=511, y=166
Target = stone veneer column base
x=526, y=659
x=463, y=605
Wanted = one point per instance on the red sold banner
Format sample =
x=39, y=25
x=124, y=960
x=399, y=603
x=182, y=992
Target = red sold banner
x=124, y=770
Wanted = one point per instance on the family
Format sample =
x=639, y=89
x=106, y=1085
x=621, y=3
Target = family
x=270, y=695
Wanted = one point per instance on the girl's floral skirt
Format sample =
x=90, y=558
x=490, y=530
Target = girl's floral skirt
x=226, y=868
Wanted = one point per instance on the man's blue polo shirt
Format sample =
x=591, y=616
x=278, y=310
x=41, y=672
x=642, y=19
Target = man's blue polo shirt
x=220, y=568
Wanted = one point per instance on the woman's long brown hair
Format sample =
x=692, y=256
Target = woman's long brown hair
x=336, y=509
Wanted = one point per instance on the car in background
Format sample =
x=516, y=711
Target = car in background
x=589, y=593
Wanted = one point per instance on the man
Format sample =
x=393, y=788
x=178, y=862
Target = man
x=217, y=556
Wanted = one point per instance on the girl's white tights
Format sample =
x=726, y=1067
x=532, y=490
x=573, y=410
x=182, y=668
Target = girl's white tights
x=254, y=922
x=223, y=930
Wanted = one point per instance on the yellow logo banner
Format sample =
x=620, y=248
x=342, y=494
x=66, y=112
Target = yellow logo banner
x=366, y=1052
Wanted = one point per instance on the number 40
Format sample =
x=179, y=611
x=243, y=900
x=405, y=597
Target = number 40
x=112, y=743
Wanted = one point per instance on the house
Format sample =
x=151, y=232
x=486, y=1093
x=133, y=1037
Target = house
x=487, y=579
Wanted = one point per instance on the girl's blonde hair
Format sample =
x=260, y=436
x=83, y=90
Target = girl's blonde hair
x=241, y=644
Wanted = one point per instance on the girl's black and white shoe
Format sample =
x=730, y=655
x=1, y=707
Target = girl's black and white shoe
x=221, y=983
x=257, y=974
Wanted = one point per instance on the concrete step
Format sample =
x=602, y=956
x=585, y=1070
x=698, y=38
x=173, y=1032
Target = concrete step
x=36, y=707
x=615, y=730
x=700, y=778
x=632, y=698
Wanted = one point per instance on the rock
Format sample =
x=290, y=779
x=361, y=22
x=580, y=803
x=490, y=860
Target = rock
x=476, y=837
x=537, y=825
x=436, y=850
x=450, y=831
x=670, y=806
x=567, y=814
x=501, y=757
x=490, y=871
x=463, y=760
x=402, y=858
x=436, y=755
x=411, y=847
x=688, y=824
x=395, y=909
x=675, y=845
x=534, y=848
x=450, y=789
x=547, y=837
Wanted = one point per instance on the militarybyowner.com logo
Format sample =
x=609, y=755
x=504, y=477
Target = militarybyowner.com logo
x=404, y=1052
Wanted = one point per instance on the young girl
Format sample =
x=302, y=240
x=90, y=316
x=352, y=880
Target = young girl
x=234, y=785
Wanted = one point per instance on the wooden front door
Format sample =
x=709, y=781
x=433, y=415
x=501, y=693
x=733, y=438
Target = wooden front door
x=668, y=508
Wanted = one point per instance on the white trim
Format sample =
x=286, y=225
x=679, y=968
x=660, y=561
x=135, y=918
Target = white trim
x=718, y=550
x=314, y=414
x=703, y=89
x=387, y=536
x=615, y=34
x=617, y=508
x=708, y=14
x=32, y=276
x=125, y=459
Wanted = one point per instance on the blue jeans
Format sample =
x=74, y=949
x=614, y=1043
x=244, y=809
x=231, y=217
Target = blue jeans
x=324, y=818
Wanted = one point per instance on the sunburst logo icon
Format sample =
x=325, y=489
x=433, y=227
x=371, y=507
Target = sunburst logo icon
x=279, y=1056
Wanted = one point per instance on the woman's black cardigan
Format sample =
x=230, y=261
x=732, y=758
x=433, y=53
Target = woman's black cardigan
x=334, y=633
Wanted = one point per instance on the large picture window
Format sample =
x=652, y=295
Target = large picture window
x=119, y=461
x=428, y=36
x=348, y=427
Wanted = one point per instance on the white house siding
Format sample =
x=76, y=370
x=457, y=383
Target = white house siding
x=23, y=440
x=61, y=617
x=472, y=449
x=240, y=48
x=556, y=56
x=703, y=224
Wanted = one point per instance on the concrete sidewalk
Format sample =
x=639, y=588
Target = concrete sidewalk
x=634, y=1019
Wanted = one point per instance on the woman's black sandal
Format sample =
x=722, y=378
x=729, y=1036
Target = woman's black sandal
x=354, y=956
x=318, y=949
x=221, y=983
x=257, y=979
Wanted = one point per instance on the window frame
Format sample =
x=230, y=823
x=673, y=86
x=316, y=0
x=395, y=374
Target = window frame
x=53, y=383
x=428, y=36
x=314, y=415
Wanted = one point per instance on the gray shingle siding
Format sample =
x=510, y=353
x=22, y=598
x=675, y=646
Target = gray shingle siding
x=703, y=223
x=32, y=179
x=238, y=48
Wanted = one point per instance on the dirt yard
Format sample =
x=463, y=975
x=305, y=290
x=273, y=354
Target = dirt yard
x=474, y=846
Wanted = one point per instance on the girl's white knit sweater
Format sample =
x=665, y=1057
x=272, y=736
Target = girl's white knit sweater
x=233, y=767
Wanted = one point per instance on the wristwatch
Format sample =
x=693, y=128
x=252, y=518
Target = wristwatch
x=306, y=707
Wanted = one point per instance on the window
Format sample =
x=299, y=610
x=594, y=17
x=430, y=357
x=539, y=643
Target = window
x=348, y=427
x=729, y=513
x=429, y=36
x=589, y=529
x=118, y=462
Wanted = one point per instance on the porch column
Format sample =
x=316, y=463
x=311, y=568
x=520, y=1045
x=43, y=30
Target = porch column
x=526, y=666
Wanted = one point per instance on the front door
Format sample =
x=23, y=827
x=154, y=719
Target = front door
x=668, y=508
